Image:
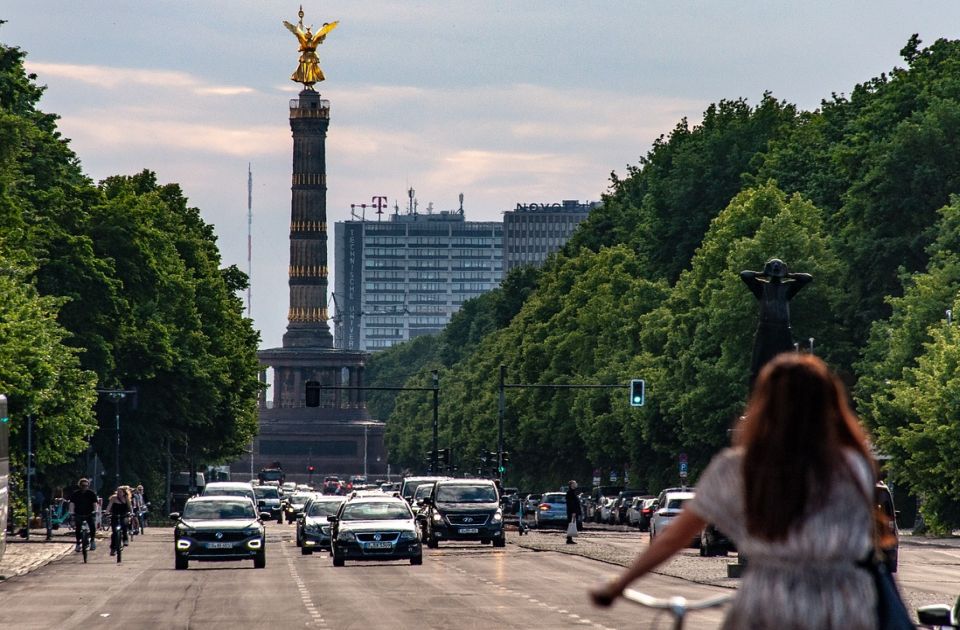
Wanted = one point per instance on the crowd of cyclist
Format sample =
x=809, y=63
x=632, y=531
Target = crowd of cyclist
x=125, y=512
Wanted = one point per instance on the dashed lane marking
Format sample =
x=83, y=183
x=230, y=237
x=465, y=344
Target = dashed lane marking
x=305, y=596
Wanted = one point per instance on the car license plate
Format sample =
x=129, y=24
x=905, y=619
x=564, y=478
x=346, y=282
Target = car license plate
x=469, y=530
x=381, y=544
x=219, y=545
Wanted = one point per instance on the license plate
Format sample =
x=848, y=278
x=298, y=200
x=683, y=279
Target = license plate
x=382, y=544
x=219, y=545
x=469, y=530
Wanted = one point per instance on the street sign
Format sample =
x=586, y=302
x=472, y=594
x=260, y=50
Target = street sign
x=683, y=469
x=683, y=457
x=596, y=481
x=613, y=475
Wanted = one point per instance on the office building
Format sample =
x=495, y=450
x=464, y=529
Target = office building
x=533, y=231
x=407, y=275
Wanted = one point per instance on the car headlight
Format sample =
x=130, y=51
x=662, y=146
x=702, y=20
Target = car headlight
x=313, y=528
x=325, y=530
x=408, y=535
x=437, y=517
x=497, y=517
x=183, y=544
x=346, y=537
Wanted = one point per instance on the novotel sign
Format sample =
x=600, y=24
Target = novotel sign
x=535, y=206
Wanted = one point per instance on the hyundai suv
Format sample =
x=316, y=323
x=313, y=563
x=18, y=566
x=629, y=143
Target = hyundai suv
x=463, y=509
x=374, y=527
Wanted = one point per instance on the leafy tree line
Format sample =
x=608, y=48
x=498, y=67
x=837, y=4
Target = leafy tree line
x=857, y=192
x=115, y=284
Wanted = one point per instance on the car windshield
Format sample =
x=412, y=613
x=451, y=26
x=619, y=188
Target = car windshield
x=676, y=504
x=410, y=487
x=554, y=498
x=324, y=508
x=466, y=494
x=226, y=492
x=266, y=492
x=375, y=511
x=423, y=491
x=218, y=510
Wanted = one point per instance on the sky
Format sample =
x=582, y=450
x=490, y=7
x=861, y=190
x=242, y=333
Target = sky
x=504, y=101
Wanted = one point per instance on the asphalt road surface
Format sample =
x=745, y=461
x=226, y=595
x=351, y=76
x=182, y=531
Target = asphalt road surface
x=462, y=586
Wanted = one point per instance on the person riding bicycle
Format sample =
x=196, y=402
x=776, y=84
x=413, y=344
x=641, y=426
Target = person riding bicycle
x=795, y=494
x=119, y=510
x=83, y=503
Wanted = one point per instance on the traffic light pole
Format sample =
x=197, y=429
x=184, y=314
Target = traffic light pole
x=436, y=421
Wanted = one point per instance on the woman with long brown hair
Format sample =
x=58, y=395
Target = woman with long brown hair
x=795, y=495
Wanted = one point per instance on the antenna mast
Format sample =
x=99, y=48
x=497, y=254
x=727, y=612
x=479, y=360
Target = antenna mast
x=249, y=237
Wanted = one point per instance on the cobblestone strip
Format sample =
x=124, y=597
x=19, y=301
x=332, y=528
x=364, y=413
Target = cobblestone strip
x=21, y=558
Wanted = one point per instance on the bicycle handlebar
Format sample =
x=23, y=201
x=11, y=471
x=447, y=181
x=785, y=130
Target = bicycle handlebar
x=676, y=604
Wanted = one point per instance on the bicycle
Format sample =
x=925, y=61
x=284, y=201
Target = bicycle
x=677, y=606
x=117, y=540
x=84, y=538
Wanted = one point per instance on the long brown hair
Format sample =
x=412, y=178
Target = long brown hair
x=797, y=426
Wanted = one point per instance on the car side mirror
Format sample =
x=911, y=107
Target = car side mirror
x=174, y=516
x=265, y=516
x=935, y=615
x=332, y=519
x=427, y=501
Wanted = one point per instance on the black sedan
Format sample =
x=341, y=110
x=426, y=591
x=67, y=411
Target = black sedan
x=218, y=528
x=313, y=529
x=375, y=528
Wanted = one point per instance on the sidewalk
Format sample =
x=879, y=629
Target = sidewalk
x=23, y=556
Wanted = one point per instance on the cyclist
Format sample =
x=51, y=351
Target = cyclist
x=794, y=494
x=83, y=503
x=119, y=509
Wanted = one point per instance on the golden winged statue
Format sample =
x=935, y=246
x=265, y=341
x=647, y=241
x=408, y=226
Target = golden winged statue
x=308, y=71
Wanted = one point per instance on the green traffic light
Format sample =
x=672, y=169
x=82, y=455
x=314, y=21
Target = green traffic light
x=503, y=469
x=5, y=419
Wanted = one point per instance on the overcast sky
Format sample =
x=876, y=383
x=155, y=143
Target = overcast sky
x=506, y=102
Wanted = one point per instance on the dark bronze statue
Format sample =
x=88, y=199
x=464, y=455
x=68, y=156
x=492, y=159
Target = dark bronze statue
x=774, y=287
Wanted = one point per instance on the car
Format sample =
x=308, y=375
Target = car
x=622, y=503
x=268, y=500
x=635, y=511
x=599, y=495
x=646, y=513
x=510, y=499
x=331, y=485
x=667, y=507
x=288, y=487
x=713, y=542
x=219, y=528
x=230, y=489
x=313, y=529
x=530, y=503
x=371, y=527
x=423, y=492
x=463, y=509
x=293, y=504
x=409, y=485
x=891, y=551
x=552, y=511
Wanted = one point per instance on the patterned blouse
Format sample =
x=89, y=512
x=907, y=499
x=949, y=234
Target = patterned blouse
x=810, y=579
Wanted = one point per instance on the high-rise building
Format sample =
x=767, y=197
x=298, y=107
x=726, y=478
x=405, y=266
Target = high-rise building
x=406, y=276
x=533, y=231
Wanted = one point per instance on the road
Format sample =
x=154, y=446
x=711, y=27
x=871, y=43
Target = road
x=458, y=586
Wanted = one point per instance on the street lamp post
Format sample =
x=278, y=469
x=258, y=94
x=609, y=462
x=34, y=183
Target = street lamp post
x=117, y=395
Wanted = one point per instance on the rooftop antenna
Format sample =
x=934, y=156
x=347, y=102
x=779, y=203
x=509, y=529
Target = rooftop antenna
x=410, y=193
x=461, y=204
x=249, y=238
x=430, y=208
x=396, y=207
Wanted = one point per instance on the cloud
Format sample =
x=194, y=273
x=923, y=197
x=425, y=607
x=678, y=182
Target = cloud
x=107, y=77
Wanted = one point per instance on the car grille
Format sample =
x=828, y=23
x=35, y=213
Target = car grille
x=379, y=537
x=471, y=520
x=211, y=536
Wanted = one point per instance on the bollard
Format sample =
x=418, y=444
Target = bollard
x=49, y=518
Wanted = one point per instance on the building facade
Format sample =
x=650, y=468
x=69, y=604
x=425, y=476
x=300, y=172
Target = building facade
x=533, y=231
x=406, y=276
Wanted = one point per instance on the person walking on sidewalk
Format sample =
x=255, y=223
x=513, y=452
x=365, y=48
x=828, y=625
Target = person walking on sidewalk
x=574, y=514
x=83, y=502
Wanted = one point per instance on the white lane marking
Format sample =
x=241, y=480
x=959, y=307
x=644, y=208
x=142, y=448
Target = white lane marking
x=304, y=591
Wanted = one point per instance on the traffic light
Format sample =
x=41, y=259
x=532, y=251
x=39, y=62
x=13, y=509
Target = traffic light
x=4, y=417
x=637, y=392
x=312, y=390
x=310, y=469
x=443, y=456
x=505, y=457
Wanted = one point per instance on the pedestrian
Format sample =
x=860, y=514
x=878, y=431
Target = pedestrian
x=795, y=494
x=574, y=513
x=83, y=502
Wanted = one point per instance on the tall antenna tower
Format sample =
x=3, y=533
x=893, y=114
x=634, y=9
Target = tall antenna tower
x=249, y=237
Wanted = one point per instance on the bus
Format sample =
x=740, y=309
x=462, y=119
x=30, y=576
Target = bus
x=4, y=471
